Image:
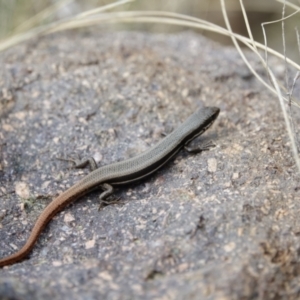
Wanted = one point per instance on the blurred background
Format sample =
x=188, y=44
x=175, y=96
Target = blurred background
x=15, y=15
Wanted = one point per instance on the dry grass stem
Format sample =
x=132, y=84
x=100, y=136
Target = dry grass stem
x=100, y=16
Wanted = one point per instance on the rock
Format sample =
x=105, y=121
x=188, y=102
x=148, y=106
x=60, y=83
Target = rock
x=222, y=224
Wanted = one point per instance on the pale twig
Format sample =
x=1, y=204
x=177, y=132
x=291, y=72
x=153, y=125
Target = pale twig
x=290, y=107
x=102, y=8
x=93, y=17
x=294, y=84
x=252, y=42
x=266, y=42
x=295, y=145
x=287, y=3
x=45, y=29
x=265, y=36
x=136, y=17
x=298, y=39
x=274, y=81
x=284, y=49
x=140, y=17
x=164, y=17
x=290, y=91
x=42, y=15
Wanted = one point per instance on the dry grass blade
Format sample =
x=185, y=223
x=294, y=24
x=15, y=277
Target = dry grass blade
x=135, y=16
x=151, y=17
x=19, y=37
x=103, y=8
x=97, y=17
x=286, y=60
x=160, y=17
x=272, y=77
x=38, y=18
x=289, y=4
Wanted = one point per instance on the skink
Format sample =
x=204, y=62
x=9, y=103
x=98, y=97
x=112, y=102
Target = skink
x=127, y=171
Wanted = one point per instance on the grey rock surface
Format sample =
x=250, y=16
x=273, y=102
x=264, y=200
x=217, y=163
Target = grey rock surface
x=222, y=224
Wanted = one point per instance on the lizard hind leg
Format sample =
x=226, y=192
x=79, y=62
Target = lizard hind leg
x=107, y=192
x=82, y=163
